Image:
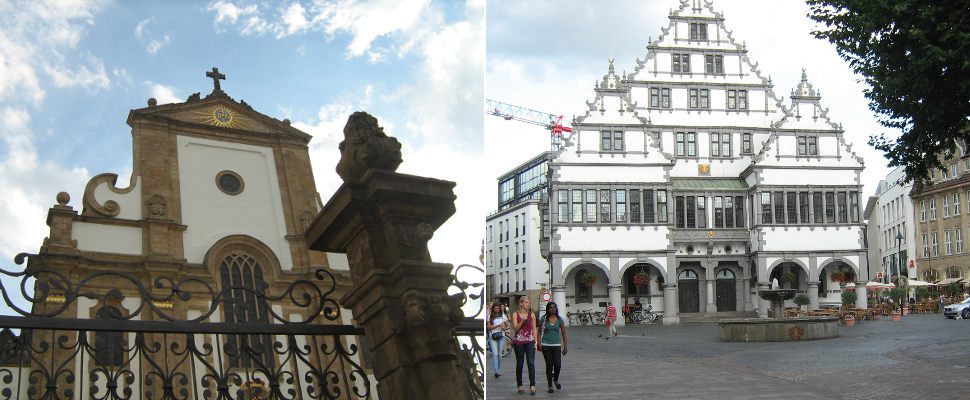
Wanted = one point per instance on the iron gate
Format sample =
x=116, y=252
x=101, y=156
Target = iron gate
x=170, y=339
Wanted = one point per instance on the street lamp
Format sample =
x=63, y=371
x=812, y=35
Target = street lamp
x=902, y=265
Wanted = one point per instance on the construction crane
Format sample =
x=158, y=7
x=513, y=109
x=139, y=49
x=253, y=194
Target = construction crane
x=511, y=112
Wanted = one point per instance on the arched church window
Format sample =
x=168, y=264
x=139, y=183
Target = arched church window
x=243, y=276
x=109, y=347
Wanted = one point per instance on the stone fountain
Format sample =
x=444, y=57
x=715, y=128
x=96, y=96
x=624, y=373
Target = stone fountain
x=779, y=328
x=777, y=298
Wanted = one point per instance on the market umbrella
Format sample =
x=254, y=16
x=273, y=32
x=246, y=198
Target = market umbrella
x=917, y=282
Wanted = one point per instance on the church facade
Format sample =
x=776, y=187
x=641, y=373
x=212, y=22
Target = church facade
x=690, y=183
x=220, y=195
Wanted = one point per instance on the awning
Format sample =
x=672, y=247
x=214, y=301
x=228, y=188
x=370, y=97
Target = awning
x=708, y=184
x=870, y=286
x=917, y=282
x=948, y=281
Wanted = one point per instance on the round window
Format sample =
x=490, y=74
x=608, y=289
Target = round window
x=229, y=182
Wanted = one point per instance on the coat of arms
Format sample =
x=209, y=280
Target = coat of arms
x=704, y=168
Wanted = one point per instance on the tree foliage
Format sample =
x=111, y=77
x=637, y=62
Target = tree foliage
x=915, y=57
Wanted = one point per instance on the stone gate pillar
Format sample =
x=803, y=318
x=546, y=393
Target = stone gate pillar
x=813, y=295
x=383, y=220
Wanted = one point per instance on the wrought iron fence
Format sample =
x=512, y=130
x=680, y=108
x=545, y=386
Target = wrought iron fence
x=172, y=340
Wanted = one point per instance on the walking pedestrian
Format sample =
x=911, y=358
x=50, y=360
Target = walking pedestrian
x=524, y=343
x=610, y=319
x=552, y=344
x=497, y=324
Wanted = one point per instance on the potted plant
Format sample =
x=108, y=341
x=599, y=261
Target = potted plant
x=587, y=278
x=641, y=278
x=802, y=300
x=895, y=294
x=848, y=276
x=848, y=301
x=787, y=276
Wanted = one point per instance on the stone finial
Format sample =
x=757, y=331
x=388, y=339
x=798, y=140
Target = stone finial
x=152, y=102
x=365, y=147
x=63, y=198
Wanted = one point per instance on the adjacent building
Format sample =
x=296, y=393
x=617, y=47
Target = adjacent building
x=690, y=183
x=941, y=211
x=892, y=242
x=514, y=240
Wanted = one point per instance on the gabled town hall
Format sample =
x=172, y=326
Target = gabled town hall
x=699, y=171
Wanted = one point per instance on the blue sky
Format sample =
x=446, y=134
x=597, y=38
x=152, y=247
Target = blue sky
x=71, y=70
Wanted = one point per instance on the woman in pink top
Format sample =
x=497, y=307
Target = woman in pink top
x=524, y=343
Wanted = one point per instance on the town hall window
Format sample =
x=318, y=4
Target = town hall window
x=699, y=98
x=807, y=146
x=681, y=63
x=698, y=31
x=620, y=205
x=737, y=99
x=686, y=144
x=563, y=206
x=713, y=64
x=745, y=143
x=611, y=141
x=634, y=205
x=659, y=97
x=591, y=205
x=662, y=206
x=605, y=206
x=720, y=144
x=766, y=207
x=577, y=207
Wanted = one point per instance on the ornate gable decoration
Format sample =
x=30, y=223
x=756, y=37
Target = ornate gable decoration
x=219, y=110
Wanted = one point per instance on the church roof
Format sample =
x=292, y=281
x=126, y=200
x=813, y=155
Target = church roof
x=218, y=109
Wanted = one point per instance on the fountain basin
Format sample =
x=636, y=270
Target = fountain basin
x=778, y=329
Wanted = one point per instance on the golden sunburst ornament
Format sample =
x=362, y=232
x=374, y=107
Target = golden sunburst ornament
x=220, y=116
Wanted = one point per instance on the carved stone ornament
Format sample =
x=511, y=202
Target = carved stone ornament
x=110, y=208
x=156, y=206
x=365, y=147
x=796, y=333
x=416, y=235
x=429, y=320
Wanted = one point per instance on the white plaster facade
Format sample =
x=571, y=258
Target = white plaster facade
x=668, y=169
x=893, y=214
x=512, y=256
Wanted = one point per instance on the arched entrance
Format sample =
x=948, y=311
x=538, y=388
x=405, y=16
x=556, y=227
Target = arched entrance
x=636, y=288
x=726, y=296
x=689, y=291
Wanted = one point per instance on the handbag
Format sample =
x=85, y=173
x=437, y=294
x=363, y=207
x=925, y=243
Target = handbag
x=496, y=336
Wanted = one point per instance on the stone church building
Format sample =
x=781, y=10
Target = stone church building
x=693, y=170
x=220, y=194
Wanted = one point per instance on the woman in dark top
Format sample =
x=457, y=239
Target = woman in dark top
x=552, y=343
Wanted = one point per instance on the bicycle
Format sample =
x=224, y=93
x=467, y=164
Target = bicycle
x=647, y=315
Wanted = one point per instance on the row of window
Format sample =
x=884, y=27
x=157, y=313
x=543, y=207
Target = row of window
x=691, y=211
x=505, y=284
x=505, y=255
x=952, y=243
x=953, y=172
x=523, y=182
x=889, y=236
x=951, y=206
x=604, y=205
x=803, y=207
x=685, y=144
x=680, y=63
x=505, y=227
x=699, y=98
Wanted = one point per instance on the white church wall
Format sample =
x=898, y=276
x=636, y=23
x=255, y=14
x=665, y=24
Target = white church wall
x=107, y=238
x=129, y=203
x=338, y=261
x=211, y=214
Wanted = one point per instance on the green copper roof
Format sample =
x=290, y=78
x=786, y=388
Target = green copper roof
x=708, y=184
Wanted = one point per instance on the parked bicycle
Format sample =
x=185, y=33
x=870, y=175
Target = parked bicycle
x=586, y=317
x=646, y=315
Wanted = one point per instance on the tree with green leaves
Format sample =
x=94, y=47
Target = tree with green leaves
x=915, y=57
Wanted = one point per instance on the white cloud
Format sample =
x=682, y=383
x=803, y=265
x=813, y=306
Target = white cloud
x=91, y=77
x=164, y=94
x=293, y=20
x=229, y=13
x=156, y=44
x=143, y=34
x=28, y=185
x=39, y=34
x=122, y=77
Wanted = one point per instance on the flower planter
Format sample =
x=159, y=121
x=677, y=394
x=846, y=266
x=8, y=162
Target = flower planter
x=849, y=322
x=905, y=310
x=895, y=316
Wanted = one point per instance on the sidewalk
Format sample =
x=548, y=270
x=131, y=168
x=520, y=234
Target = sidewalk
x=923, y=356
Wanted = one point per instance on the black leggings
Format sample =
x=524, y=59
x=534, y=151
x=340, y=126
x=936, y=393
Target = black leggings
x=553, y=357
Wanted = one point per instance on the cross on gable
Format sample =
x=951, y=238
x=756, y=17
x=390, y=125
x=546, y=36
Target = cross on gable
x=216, y=76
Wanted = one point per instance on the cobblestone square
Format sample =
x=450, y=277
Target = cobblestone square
x=922, y=356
